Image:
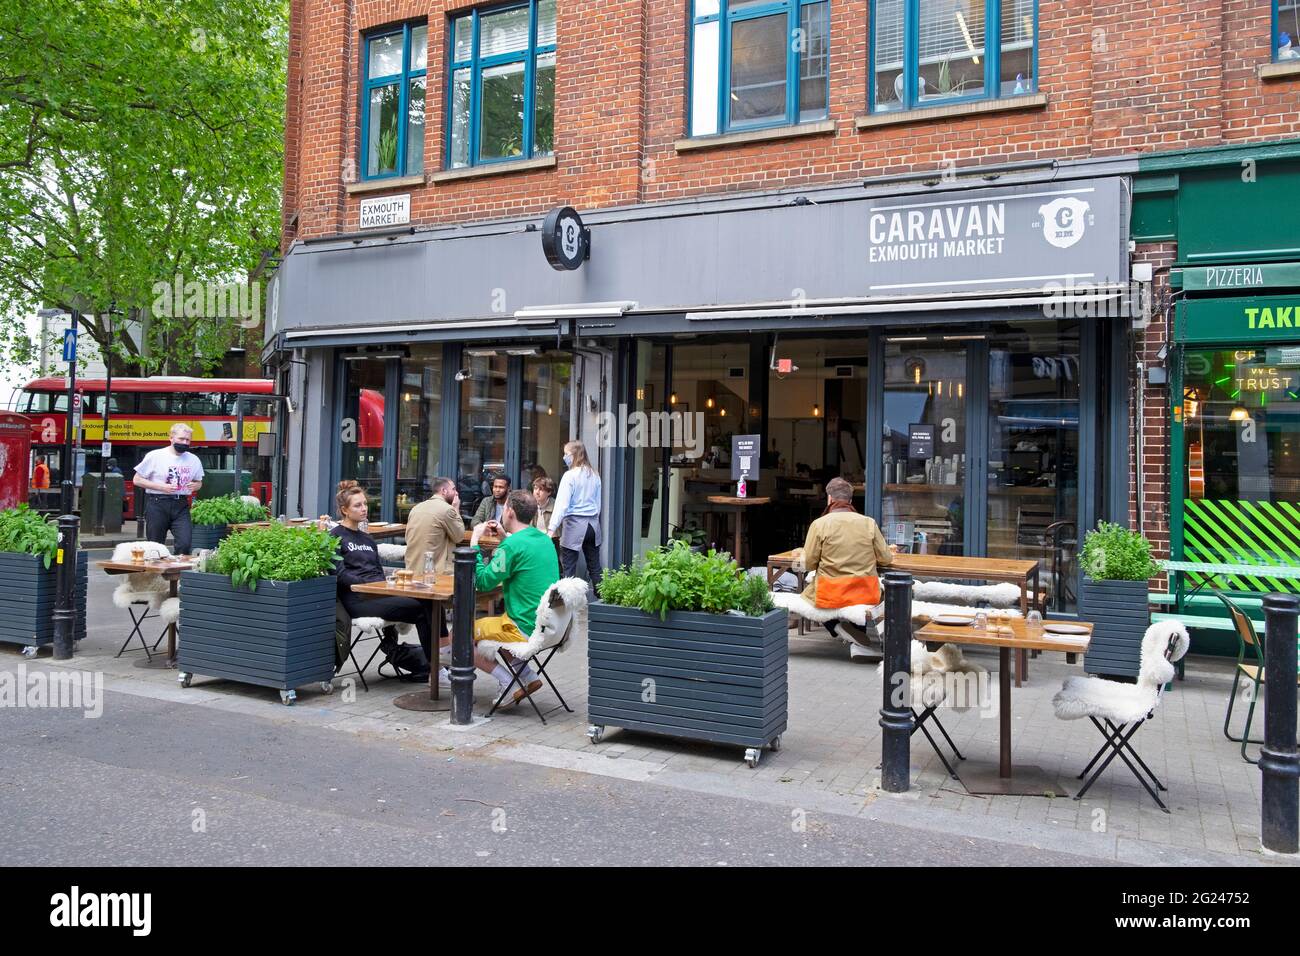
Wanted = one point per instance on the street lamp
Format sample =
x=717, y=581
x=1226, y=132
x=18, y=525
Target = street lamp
x=105, y=442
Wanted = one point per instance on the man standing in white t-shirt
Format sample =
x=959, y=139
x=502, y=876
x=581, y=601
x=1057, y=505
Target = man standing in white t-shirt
x=169, y=476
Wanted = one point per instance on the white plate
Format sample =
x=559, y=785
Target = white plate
x=954, y=620
x=1065, y=629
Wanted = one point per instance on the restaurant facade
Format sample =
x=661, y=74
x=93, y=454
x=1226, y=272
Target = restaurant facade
x=830, y=322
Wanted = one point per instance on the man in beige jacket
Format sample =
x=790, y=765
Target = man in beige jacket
x=435, y=525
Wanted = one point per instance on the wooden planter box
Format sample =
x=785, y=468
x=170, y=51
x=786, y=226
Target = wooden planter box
x=208, y=536
x=717, y=677
x=27, y=591
x=1121, y=614
x=281, y=635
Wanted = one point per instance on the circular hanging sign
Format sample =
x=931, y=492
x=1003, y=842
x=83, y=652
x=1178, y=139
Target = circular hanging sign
x=565, y=240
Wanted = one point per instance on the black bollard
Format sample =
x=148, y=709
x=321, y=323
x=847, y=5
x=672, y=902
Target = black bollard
x=65, y=585
x=896, y=710
x=1279, y=762
x=462, y=637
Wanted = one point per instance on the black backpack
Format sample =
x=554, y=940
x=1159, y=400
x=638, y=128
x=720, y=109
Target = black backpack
x=408, y=661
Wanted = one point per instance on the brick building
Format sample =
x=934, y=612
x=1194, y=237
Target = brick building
x=954, y=249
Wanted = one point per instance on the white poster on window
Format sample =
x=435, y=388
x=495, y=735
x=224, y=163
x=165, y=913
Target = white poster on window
x=386, y=211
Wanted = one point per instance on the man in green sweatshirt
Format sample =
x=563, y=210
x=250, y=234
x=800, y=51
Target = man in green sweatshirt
x=524, y=565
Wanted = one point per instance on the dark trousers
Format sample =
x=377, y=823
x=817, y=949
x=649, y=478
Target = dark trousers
x=590, y=553
x=403, y=609
x=162, y=513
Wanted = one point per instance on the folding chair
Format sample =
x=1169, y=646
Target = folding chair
x=1118, y=711
x=137, y=621
x=561, y=616
x=1248, y=642
x=348, y=633
x=145, y=592
x=928, y=693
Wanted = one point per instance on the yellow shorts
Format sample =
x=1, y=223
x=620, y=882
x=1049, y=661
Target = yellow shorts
x=500, y=629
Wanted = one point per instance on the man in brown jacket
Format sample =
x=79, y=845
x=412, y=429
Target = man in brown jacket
x=435, y=525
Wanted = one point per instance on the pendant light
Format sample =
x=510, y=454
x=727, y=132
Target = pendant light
x=1239, y=413
x=817, y=409
x=672, y=399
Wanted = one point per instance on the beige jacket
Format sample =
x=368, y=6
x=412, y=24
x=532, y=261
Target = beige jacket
x=843, y=544
x=543, y=520
x=435, y=526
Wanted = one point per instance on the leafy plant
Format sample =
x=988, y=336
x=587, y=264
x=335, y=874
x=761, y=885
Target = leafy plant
x=1113, y=553
x=24, y=531
x=227, y=509
x=388, y=150
x=275, y=553
x=675, y=578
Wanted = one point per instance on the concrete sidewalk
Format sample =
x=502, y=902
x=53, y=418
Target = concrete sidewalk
x=830, y=750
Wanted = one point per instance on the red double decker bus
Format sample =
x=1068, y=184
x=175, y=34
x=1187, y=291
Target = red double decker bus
x=141, y=411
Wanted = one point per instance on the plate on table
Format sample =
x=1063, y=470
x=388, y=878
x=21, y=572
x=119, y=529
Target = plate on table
x=1073, y=630
x=954, y=620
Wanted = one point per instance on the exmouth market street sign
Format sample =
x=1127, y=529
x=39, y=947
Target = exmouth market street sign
x=386, y=211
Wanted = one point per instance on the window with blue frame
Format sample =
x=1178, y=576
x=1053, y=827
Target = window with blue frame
x=1286, y=30
x=392, y=108
x=927, y=52
x=757, y=63
x=501, y=98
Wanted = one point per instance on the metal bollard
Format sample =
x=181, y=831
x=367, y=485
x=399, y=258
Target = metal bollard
x=896, y=710
x=1279, y=763
x=462, y=637
x=65, y=584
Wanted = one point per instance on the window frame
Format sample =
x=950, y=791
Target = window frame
x=726, y=19
x=476, y=64
x=911, y=55
x=1273, y=35
x=403, y=80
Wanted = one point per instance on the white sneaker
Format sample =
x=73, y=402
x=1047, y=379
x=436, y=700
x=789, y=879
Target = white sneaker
x=444, y=678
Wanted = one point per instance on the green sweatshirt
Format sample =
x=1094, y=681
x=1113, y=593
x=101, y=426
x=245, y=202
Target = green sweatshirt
x=524, y=565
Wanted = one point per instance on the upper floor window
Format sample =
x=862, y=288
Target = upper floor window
x=392, y=107
x=757, y=63
x=1286, y=30
x=926, y=52
x=501, y=104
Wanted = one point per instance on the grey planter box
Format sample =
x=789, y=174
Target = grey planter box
x=718, y=678
x=208, y=536
x=27, y=592
x=281, y=635
x=1121, y=615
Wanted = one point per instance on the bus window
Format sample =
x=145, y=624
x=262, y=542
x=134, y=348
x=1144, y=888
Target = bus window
x=155, y=403
x=201, y=403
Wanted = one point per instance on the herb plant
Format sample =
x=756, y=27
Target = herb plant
x=26, y=532
x=675, y=578
x=1113, y=553
x=227, y=509
x=275, y=553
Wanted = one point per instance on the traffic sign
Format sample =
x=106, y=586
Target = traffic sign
x=70, y=344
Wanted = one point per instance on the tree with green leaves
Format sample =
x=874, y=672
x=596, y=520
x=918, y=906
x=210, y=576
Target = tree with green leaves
x=140, y=141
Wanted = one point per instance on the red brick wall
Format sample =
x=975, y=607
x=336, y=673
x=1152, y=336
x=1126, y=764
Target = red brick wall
x=1153, y=468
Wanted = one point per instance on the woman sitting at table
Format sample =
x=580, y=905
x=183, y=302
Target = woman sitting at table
x=361, y=565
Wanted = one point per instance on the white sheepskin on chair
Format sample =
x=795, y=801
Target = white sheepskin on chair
x=997, y=595
x=144, y=587
x=929, y=686
x=1125, y=703
x=251, y=500
x=854, y=614
x=170, y=610
x=392, y=552
x=152, y=551
x=561, y=617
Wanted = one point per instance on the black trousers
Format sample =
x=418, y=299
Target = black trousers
x=163, y=513
x=395, y=608
x=590, y=553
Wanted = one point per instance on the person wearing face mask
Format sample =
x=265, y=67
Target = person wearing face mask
x=435, y=526
x=169, y=476
x=575, y=522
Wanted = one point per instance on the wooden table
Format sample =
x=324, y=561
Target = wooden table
x=979, y=569
x=376, y=530
x=1006, y=638
x=738, y=505
x=171, y=573
x=777, y=565
x=439, y=596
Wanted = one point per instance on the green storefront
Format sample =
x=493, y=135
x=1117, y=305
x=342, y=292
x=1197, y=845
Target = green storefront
x=1233, y=362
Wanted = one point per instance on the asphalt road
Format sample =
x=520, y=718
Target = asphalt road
x=156, y=783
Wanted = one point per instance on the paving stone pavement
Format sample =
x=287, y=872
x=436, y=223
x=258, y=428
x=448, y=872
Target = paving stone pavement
x=830, y=751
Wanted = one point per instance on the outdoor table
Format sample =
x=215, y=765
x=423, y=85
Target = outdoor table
x=439, y=595
x=1015, y=635
x=376, y=529
x=171, y=573
x=738, y=505
x=777, y=565
x=996, y=570
x=487, y=544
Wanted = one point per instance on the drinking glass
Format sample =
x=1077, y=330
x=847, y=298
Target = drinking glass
x=390, y=577
x=981, y=621
x=1034, y=621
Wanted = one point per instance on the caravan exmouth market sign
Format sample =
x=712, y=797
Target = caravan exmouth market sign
x=1044, y=235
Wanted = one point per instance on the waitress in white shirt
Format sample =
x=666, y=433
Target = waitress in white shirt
x=576, y=519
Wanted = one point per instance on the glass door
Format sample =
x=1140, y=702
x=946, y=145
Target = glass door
x=362, y=427
x=923, y=453
x=419, y=427
x=481, y=446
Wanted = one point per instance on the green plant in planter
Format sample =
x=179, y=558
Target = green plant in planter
x=1113, y=553
x=275, y=553
x=675, y=578
x=26, y=532
x=227, y=509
